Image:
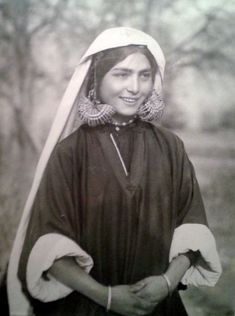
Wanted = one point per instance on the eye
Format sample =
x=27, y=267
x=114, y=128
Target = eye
x=146, y=75
x=121, y=74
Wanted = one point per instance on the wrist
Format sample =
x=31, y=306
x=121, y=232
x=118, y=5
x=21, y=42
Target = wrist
x=97, y=292
x=168, y=283
x=177, y=268
x=109, y=300
x=101, y=295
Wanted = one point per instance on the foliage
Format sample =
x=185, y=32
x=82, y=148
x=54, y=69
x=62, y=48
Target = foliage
x=219, y=197
x=228, y=118
x=41, y=42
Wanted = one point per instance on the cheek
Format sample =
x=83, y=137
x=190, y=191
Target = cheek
x=109, y=88
x=147, y=88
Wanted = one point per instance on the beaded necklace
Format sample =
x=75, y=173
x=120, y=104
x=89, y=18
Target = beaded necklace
x=118, y=125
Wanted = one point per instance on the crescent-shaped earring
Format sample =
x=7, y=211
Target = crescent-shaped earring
x=152, y=108
x=91, y=111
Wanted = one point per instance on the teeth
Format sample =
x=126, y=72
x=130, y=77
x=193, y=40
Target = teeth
x=129, y=100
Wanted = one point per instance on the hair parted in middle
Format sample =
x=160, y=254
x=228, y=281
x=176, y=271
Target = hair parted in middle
x=103, y=61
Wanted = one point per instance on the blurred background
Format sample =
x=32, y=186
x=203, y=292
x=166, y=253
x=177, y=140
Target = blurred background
x=41, y=43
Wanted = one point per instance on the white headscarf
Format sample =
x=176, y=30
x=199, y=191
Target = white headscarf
x=63, y=126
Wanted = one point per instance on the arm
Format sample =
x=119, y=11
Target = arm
x=123, y=300
x=68, y=272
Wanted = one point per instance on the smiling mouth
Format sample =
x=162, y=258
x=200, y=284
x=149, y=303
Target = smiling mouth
x=129, y=100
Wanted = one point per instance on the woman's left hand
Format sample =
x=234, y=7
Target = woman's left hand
x=153, y=288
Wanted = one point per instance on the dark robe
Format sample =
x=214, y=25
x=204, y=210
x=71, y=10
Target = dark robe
x=125, y=223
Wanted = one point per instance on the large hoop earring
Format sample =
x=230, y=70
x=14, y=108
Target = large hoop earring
x=152, y=108
x=92, y=111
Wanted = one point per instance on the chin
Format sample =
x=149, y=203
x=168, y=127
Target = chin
x=127, y=115
x=128, y=112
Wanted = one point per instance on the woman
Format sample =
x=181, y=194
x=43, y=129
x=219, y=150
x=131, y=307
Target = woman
x=114, y=222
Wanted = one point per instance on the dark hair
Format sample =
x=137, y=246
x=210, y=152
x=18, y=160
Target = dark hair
x=103, y=61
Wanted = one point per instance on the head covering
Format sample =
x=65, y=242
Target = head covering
x=64, y=124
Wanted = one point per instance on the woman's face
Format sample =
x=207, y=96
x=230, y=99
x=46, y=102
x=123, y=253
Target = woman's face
x=126, y=85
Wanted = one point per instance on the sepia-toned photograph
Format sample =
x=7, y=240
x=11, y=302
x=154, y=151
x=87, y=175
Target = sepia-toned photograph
x=117, y=157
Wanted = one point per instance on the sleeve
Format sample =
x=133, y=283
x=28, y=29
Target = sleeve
x=196, y=237
x=47, y=249
x=54, y=228
x=192, y=231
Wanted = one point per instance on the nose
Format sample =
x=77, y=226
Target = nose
x=133, y=85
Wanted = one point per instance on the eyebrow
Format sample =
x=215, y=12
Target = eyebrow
x=130, y=70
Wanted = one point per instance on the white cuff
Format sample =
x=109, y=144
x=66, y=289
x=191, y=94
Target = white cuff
x=207, y=269
x=47, y=249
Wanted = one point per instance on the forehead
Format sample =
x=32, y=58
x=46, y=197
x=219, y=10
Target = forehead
x=136, y=62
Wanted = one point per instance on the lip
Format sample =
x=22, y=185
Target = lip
x=129, y=100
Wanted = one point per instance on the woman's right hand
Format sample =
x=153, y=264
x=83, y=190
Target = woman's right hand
x=124, y=302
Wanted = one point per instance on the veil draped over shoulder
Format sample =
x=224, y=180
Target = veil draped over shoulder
x=64, y=124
